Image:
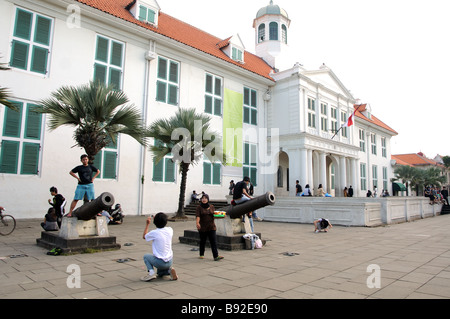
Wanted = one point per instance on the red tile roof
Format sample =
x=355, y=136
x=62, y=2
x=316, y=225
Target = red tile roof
x=414, y=160
x=182, y=32
x=373, y=119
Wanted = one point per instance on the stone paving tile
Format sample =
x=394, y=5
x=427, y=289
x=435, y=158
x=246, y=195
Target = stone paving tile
x=414, y=260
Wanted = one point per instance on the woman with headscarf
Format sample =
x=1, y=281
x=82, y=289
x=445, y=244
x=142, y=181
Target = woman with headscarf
x=206, y=227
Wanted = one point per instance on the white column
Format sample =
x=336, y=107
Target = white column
x=310, y=170
x=343, y=175
x=303, y=178
x=323, y=170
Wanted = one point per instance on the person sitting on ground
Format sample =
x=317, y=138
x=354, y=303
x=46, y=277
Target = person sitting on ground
x=162, y=257
x=194, y=197
x=320, y=192
x=307, y=191
x=322, y=224
x=50, y=221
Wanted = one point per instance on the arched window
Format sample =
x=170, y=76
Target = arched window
x=284, y=34
x=273, y=31
x=261, y=33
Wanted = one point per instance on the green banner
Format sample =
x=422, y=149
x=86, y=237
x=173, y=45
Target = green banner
x=232, y=127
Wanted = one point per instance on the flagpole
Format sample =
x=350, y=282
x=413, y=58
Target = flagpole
x=343, y=124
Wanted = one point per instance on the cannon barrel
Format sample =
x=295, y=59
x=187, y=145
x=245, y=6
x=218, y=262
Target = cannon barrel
x=253, y=204
x=90, y=210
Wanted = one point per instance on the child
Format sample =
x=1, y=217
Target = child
x=322, y=224
x=162, y=257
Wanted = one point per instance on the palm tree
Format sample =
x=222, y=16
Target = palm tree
x=406, y=174
x=188, y=136
x=98, y=112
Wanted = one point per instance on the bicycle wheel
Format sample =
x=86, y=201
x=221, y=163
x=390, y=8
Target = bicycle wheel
x=7, y=225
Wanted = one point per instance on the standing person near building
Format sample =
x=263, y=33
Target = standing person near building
x=206, y=227
x=298, y=188
x=85, y=179
x=444, y=194
x=231, y=188
x=350, y=191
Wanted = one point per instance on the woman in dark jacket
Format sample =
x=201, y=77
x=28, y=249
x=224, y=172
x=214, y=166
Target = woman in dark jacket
x=206, y=227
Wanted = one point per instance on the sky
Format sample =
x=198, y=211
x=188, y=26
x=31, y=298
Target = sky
x=392, y=54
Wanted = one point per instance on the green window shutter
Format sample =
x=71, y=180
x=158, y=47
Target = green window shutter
x=13, y=121
x=158, y=172
x=42, y=32
x=217, y=107
x=116, y=54
x=206, y=173
x=9, y=156
x=30, y=158
x=142, y=13
x=151, y=16
x=246, y=96
x=115, y=78
x=109, y=165
x=208, y=84
x=39, y=60
x=22, y=29
x=19, y=55
x=253, y=98
x=33, y=124
x=208, y=104
x=216, y=174
x=102, y=49
x=170, y=170
x=99, y=73
x=98, y=162
x=173, y=95
x=218, y=87
x=173, y=72
x=162, y=68
x=253, y=174
x=161, y=88
x=254, y=117
x=246, y=171
x=246, y=154
x=246, y=115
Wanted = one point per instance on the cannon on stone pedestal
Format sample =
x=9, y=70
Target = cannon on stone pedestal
x=84, y=230
x=91, y=209
x=232, y=223
x=230, y=228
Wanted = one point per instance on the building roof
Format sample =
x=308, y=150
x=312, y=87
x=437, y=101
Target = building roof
x=360, y=108
x=271, y=9
x=182, y=32
x=414, y=159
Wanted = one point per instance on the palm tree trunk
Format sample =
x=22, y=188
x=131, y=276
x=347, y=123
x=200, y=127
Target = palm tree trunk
x=184, y=170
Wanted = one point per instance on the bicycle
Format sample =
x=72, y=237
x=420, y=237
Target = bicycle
x=7, y=223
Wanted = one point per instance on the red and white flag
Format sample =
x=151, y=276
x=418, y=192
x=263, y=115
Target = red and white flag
x=349, y=121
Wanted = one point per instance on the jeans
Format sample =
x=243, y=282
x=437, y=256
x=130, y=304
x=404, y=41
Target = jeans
x=163, y=267
x=211, y=235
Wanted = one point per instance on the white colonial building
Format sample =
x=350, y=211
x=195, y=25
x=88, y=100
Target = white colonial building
x=284, y=116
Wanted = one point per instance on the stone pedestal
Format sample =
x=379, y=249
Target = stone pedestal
x=77, y=236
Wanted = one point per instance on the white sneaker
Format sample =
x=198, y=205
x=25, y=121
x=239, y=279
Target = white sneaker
x=148, y=277
x=316, y=231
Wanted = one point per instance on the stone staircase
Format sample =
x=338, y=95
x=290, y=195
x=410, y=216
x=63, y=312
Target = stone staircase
x=445, y=209
x=189, y=209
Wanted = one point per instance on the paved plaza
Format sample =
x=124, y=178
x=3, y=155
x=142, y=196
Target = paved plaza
x=401, y=261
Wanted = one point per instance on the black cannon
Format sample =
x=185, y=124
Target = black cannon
x=91, y=209
x=237, y=211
